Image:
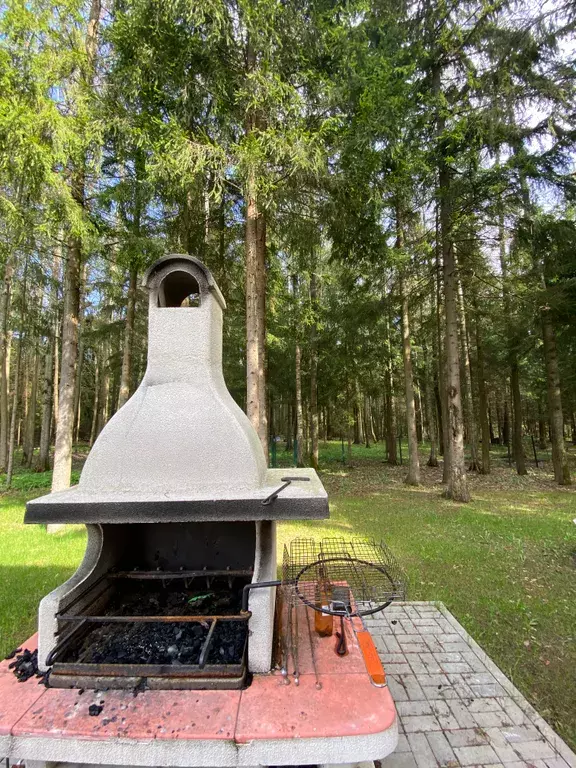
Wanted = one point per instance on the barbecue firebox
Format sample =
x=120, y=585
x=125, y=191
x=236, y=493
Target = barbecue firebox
x=180, y=510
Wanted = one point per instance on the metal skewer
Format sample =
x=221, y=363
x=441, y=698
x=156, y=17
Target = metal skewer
x=312, y=653
x=295, y=647
x=284, y=641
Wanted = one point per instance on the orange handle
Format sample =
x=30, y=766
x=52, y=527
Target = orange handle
x=371, y=657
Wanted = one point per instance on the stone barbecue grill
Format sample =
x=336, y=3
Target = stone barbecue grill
x=176, y=497
x=151, y=634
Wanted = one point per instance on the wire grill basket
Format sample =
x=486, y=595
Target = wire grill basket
x=362, y=568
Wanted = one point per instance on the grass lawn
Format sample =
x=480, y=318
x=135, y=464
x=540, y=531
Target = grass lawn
x=505, y=564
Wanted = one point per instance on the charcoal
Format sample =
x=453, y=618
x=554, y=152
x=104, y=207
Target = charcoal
x=165, y=643
x=141, y=687
x=25, y=666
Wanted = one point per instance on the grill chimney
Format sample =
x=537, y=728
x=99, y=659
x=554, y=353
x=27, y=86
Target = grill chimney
x=180, y=449
x=182, y=431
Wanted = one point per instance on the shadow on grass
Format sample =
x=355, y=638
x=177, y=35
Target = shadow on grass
x=22, y=589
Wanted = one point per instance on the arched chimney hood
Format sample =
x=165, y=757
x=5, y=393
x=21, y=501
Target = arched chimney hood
x=181, y=449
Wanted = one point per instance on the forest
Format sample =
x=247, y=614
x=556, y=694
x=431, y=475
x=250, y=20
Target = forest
x=383, y=189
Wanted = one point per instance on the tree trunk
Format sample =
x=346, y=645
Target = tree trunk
x=27, y=365
x=438, y=412
x=50, y=383
x=517, y=446
x=43, y=461
x=126, y=377
x=542, y=441
x=289, y=429
x=469, y=412
x=65, y=418
x=80, y=360
x=440, y=387
x=104, y=388
x=299, y=415
x=483, y=404
x=457, y=488
x=30, y=428
x=370, y=419
x=78, y=388
x=505, y=429
x=389, y=408
x=349, y=421
x=5, y=340
x=359, y=420
x=517, y=424
x=349, y=442
x=419, y=409
x=491, y=423
x=413, y=476
x=430, y=407
x=16, y=392
x=95, y=406
x=365, y=417
x=14, y=415
x=559, y=454
x=314, y=372
x=255, y=315
x=255, y=243
x=457, y=484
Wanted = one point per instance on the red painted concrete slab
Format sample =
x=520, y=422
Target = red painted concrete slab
x=15, y=699
x=347, y=705
x=199, y=714
x=151, y=714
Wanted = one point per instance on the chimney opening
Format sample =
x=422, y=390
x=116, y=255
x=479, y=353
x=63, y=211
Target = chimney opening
x=179, y=289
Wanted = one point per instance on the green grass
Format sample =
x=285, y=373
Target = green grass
x=31, y=564
x=503, y=564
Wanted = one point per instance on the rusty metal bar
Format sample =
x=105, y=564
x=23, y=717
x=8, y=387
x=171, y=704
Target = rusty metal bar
x=149, y=619
x=62, y=643
x=147, y=670
x=159, y=575
x=87, y=591
x=207, y=643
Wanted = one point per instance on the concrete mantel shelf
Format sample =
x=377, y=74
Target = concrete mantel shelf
x=301, y=499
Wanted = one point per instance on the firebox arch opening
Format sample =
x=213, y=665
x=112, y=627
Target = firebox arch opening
x=179, y=288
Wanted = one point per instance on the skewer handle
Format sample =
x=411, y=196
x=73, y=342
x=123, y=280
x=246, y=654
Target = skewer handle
x=371, y=658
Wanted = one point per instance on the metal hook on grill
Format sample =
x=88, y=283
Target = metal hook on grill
x=285, y=483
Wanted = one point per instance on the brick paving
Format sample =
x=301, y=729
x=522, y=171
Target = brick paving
x=455, y=707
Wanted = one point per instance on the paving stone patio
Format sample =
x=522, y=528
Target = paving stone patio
x=456, y=708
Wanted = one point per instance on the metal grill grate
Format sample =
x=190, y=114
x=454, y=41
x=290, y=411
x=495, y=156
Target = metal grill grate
x=362, y=568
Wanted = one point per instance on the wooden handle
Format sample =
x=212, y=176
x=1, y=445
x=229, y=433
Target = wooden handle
x=371, y=657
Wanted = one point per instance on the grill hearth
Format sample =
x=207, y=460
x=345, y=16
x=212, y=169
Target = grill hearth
x=169, y=629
